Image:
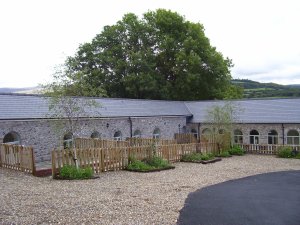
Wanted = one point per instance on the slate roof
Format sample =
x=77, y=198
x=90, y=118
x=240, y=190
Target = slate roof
x=16, y=106
x=253, y=110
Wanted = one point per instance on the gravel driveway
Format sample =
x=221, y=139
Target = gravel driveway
x=120, y=197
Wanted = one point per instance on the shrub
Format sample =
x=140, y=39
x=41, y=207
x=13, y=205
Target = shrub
x=236, y=150
x=71, y=172
x=285, y=152
x=194, y=157
x=138, y=165
x=297, y=156
x=224, y=154
x=207, y=156
x=157, y=162
x=148, y=164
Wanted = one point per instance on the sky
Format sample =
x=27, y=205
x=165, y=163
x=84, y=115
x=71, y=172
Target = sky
x=261, y=37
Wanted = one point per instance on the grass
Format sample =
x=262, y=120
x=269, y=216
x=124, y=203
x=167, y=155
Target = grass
x=288, y=152
x=149, y=164
x=73, y=173
x=224, y=154
x=236, y=150
x=196, y=157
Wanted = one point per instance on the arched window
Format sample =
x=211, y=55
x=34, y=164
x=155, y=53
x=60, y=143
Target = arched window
x=206, y=135
x=95, y=134
x=118, y=136
x=273, y=137
x=206, y=131
x=195, y=133
x=254, y=137
x=137, y=134
x=68, y=140
x=156, y=133
x=238, y=136
x=12, y=138
x=221, y=131
x=293, y=137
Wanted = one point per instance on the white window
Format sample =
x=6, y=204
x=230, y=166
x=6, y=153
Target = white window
x=95, y=134
x=137, y=134
x=118, y=136
x=195, y=133
x=273, y=137
x=12, y=138
x=68, y=140
x=156, y=133
x=254, y=137
x=293, y=137
x=238, y=136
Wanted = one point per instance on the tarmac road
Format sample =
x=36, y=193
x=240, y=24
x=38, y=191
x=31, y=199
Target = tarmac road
x=266, y=199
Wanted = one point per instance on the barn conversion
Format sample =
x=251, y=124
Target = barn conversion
x=24, y=119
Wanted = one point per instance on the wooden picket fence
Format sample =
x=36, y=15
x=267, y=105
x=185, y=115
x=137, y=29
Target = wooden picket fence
x=102, y=143
x=149, y=141
x=264, y=149
x=185, y=138
x=99, y=143
x=116, y=158
x=17, y=157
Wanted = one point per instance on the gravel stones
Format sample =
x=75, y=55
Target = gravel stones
x=121, y=197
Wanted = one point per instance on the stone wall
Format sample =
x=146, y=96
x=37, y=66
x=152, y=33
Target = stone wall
x=263, y=130
x=44, y=135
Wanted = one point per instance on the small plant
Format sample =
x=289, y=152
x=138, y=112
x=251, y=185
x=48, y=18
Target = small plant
x=138, y=165
x=207, y=156
x=224, y=154
x=192, y=157
x=157, y=162
x=236, y=150
x=148, y=164
x=196, y=157
x=71, y=172
x=285, y=152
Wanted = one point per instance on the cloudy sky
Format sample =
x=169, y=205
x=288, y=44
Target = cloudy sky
x=261, y=37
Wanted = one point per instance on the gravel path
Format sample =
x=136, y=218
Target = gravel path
x=120, y=197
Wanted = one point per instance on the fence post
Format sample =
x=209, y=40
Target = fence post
x=53, y=164
x=33, y=169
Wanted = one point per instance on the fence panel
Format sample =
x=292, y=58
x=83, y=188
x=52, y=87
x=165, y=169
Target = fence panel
x=185, y=138
x=99, y=143
x=17, y=157
x=264, y=149
x=116, y=158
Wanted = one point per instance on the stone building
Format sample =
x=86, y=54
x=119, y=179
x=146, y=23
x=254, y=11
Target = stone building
x=25, y=119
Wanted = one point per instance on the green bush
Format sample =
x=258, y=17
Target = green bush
x=297, y=156
x=285, y=152
x=194, y=157
x=207, y=156
x=236, y=150
x=148, y=164
x=71, y=172
x=157, y=162
x=138, y=165
x=224, y=154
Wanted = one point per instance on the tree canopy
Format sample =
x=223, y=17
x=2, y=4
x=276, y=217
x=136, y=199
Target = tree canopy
x=160, y=56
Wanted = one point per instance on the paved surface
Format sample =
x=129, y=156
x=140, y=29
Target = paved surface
x=267, y=199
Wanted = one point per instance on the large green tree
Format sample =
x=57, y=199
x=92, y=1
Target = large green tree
x=161, y=56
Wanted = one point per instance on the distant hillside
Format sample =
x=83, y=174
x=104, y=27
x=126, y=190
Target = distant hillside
x=254, y=89
x=29, y=90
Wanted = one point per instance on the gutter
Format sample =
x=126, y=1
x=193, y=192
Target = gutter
x=283, y=137
x=130, y=126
